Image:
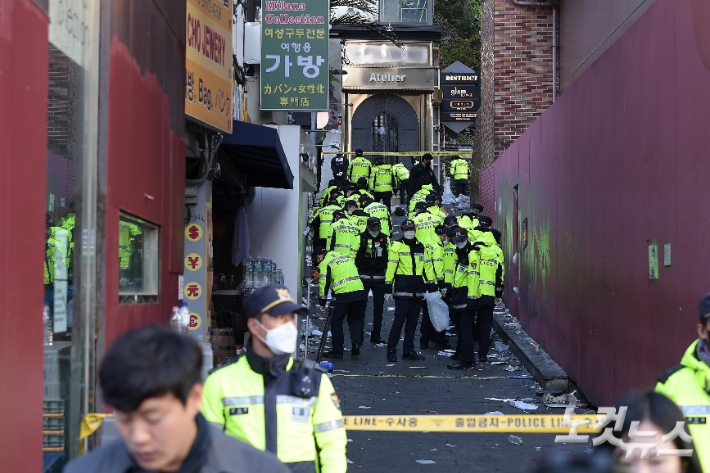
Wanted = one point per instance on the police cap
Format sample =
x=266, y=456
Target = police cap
x=705, y=308
x=460, y=234
x=485, y=220
x=442, y=230
x=350, y=203
x=430, y=199
x=477, y=206
x=273, y=300
x=449, y=219
x=374, y=223
x=420, y=205
x=379, y=160
x=365, y=198
x=408, y=225
x=362, y=182
x=358, y=152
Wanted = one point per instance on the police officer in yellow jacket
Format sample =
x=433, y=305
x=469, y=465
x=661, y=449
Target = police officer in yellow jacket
x=434, y=249
x=359, y=167
x=272, y=402
x=424, y=222
x=491, y=269
x=408, y=276
x=322, y=223
x=469, y=220
x=345, y=235
x=377, y=210
x=382, y=181
x=688, y=385
x=459, y=172
x=462, y=307
x=340, y=282
x=401, y=180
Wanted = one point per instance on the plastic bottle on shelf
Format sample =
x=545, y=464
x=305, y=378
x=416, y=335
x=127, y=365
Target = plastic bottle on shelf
x=176, y=320
x=280, y=276
x=258, y=272
x=184, y=318
x=248, y=274
x=272, y=272
x=48, y=332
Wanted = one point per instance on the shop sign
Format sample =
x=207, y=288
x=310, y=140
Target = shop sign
x=69, y=27
x=397, y=78
x=294, y=55
x=208, y=63
x=462, y=96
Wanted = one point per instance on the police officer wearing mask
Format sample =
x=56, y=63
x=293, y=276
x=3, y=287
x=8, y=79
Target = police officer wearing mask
x=688, y=385
x=461, y=307
x=451, y=222
x=273, y=402
x=408, y=269
x=371, y=263
x=422, y=174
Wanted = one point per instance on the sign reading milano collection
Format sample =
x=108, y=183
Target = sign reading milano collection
x=294, y=55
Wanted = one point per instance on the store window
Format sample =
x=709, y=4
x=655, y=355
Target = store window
x=69, y=313
x=139, y=257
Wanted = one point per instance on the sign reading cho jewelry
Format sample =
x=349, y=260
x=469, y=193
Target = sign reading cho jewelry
x=294, y=55
x=401, y=78
x=462, y=96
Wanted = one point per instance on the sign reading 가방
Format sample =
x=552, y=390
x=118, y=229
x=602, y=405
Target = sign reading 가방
x=294, y=55
x=209, y=81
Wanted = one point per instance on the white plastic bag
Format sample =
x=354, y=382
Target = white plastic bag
x=448, y=197
x=438, y=310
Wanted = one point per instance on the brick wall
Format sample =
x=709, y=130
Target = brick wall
x=516, y=75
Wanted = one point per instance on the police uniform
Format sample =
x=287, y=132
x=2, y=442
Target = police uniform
x=433, y=250
x=401, y=178
x=491, y=274
x=459, y=171
x=425, y=223
x=381, y=183
x=339, y=278
x=322, y=222
x=279, y=405
x=688, y=385
x=359, y=167
x=408, y=275
x=381, y=212
x=339, y=166
x=345, y=237
x=371, y=263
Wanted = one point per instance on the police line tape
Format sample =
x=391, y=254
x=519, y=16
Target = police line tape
x=546, y=423
x=400, y=153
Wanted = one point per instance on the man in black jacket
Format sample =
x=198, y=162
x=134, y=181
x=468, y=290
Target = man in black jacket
x=371, y=262
x=339, y=167
x=152, y=378
x=422, y=174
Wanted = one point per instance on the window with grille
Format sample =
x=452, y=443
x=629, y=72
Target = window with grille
x=384, y=135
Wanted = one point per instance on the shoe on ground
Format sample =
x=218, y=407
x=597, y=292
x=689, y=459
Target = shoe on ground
x=424, y=345
x=455, y=356
x=392, y=356
x=482, y=359
x=443, y=346
x=413, y=356
x=461, y=365
x=356, y=349
x=332, y=354
x=377, y=340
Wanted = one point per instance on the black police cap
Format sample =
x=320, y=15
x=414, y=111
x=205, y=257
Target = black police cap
x=273, y=300
x=362, y=182
x=350, y=203
x=705, y=308
x=430, y=198
x=442, y=230
x=358, y=152
x=420, y=205
x=485, y=220
x=450, y=219
x=477, y=206
x=460, y=234
x=372, y=221
x=408, y=224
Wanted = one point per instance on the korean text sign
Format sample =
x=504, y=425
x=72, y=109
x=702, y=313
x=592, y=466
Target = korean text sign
x=209, y=81
x=294, y=55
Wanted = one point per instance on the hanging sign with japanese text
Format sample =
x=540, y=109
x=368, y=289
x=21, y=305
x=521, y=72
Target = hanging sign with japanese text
x=209, y=82
x=294, y=55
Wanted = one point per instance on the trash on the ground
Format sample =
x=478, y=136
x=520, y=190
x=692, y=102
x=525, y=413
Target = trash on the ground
x=500, y=400
x=536, y=347
x=391, y=309
x=391, y=364
x=317, y=333
x=563, y=400
x=515, y=440
x=364, y=407
x=418, y=367
x=525, y=376
x=426, y=462
x=500, y=346
x=350, y=440
x=497, y=362
x=589, y=451
x=341, y=371
x=327, y=366
x=443, y=353
x=380, y=345
x=494, y=413
x=512, y=368
x=432, y=450
x=350, y=462
x=450, y=445
x=493, y=356
x=523, y=405
x=538, y=449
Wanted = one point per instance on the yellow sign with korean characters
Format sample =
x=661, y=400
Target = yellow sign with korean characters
x=209, y=82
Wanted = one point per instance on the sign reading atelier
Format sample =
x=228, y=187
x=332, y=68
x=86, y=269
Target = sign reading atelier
x=294, y=55
x=209, y=83
x=462, y=96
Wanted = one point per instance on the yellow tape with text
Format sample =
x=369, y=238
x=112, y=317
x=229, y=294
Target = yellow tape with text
x=471, y=423
x=401, y=153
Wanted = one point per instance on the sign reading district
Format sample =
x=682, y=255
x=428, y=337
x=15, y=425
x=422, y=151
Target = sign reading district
x=462, y=96
x=209, y=81
x=294, y=55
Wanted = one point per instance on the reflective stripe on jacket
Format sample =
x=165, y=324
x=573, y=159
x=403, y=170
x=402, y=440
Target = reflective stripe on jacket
x=345, y=237
x=380, y=211
x=459, y=169
x=408, y=271
x=339, y=274
x=359, y=167
x=382, y=179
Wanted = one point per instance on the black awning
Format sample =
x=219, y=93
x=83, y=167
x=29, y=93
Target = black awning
x=256, y=151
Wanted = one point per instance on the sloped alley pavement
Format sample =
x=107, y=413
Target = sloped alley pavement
x=369, y=385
